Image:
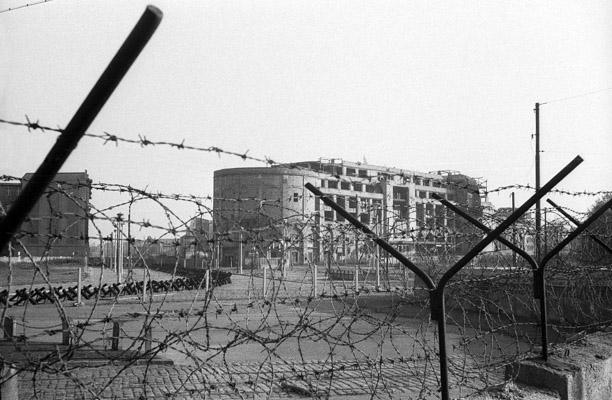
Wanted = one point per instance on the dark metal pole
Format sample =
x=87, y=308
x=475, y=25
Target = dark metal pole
x=538, y=254
x=543, y=318
x=583, y=226
x=541, y=281
x=509, y=221
x=79, y=123
x=442, y=344
x=436, y=292
x=577, y=223
x=516, y=249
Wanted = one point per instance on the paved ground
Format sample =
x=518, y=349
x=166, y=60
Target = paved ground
x=389, y=378
x=241, y=326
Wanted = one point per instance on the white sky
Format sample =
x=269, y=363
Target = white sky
x=422, y=85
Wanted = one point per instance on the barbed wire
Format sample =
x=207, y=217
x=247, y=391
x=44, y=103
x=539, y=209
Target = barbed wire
x=313, y=307
x=24, y=6
x=142, y=141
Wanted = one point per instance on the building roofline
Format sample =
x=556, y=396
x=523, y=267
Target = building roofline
x=378, y=168
x=275, y=170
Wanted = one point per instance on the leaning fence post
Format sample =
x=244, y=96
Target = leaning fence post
x=82, y=119
x=66, y=332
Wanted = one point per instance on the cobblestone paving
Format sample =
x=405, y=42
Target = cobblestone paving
x=393, y=378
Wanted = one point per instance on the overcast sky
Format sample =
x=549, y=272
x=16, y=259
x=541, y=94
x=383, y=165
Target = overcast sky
x=421, y=85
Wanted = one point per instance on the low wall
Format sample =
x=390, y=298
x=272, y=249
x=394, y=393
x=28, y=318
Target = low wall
x=580, y=371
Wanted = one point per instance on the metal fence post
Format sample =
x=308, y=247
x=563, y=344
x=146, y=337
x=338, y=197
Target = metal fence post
x=541, y=281
x=82, y=119
x=437, y=304
x=577, y=223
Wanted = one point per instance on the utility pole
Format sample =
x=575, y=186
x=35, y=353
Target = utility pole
x=537, y=182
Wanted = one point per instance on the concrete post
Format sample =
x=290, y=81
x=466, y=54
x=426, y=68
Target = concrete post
x=240, y=257
x=314, y=280
x=148, y=338
x=66, y=332
x=207, y=280
x=377, y=260
x=144, y=284
x=111, y=252
x=356, y=278
x=9, y=389
x=10, y=327
x=265, y=280
x=115, y=337
x=119, y=249
x=79, y=286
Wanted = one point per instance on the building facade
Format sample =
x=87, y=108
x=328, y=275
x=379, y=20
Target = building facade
x=58, y=225
x=267, y=212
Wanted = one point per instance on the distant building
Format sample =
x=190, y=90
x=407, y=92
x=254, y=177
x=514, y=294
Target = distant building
x=9, y=191
x=58, y=225
x=255, y=207
x=197, y=240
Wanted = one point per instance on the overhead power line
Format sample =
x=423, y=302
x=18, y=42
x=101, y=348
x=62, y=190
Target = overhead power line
x=576, y=96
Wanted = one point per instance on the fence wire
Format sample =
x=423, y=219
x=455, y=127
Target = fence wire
x=351, y=322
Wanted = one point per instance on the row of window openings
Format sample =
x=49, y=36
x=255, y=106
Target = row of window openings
x=362, y=173
x=423, y=218
x=420, y=194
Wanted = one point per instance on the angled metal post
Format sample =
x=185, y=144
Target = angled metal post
x=556, y=250
x=386, y=246
x=486, y=229
x=82, y=119
x=577, y=223
x=436, y=293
